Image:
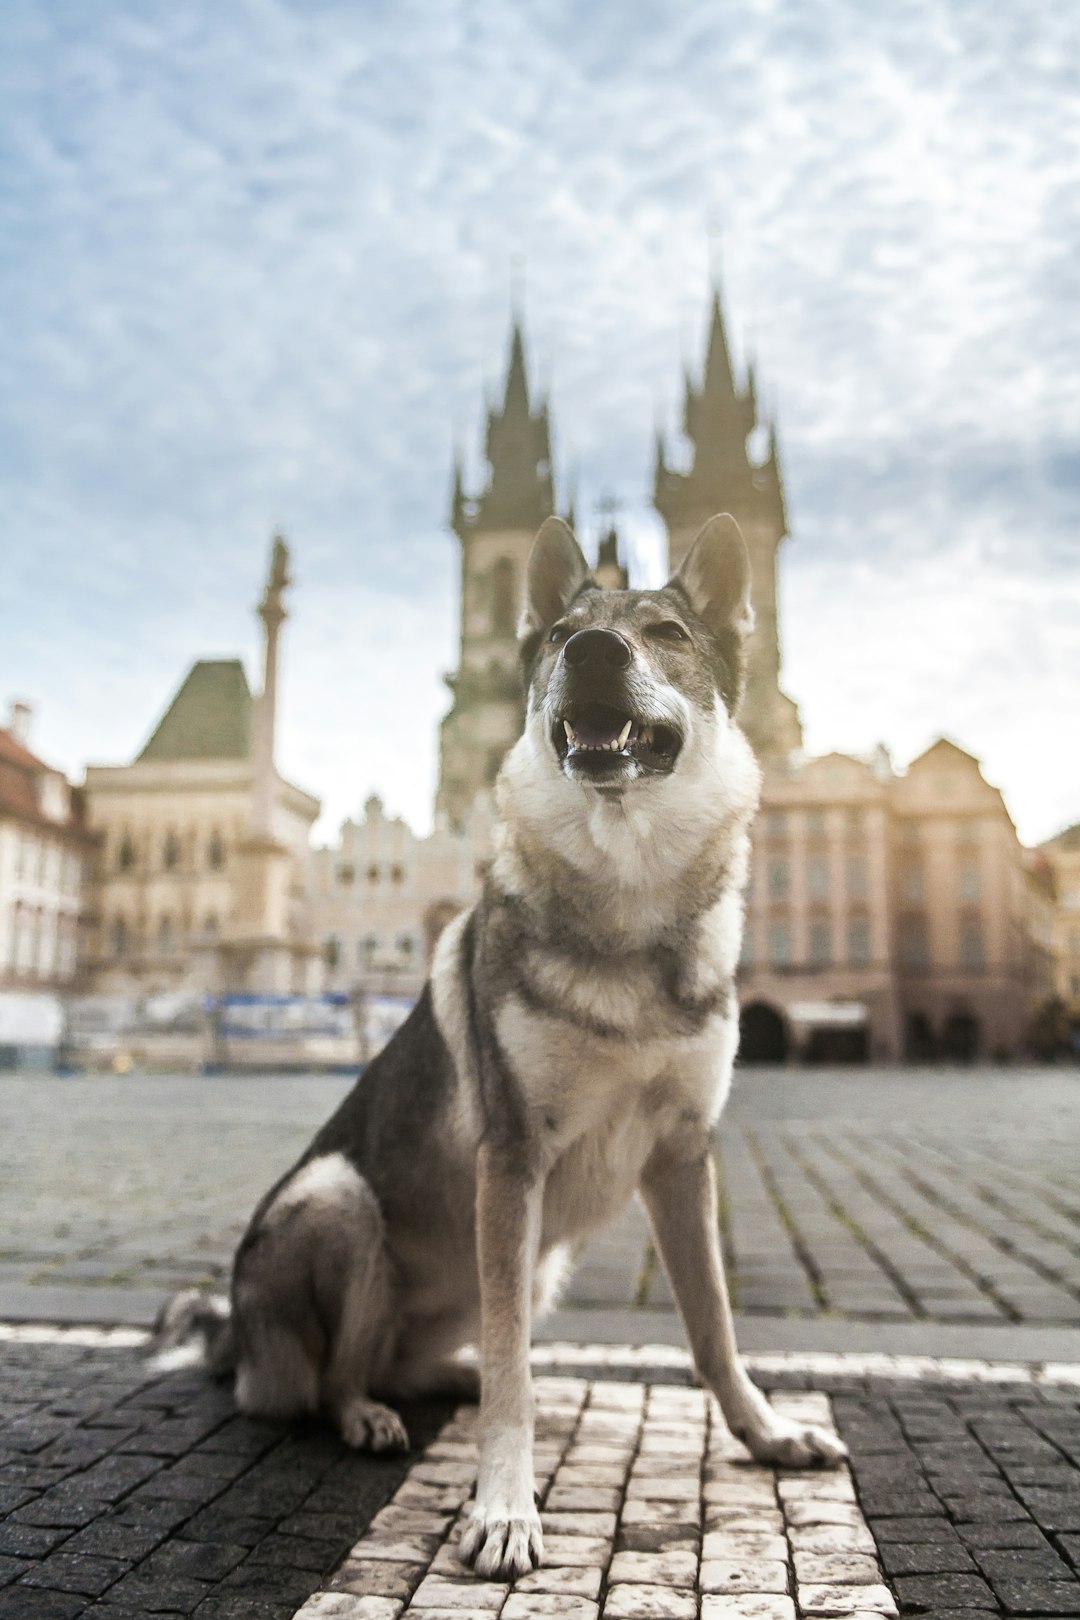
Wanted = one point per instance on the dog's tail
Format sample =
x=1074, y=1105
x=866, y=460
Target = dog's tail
x=194, y=1330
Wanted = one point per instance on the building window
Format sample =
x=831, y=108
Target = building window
x=210, y=926
x=165, y=936
x=969, y=883
x=125, y=857
x=779, y=879
x=967, y=832
x=776, y=823
x=817, y=877
x=397, y=874
x=373, y=874
x=855, y=820
x=215, y=852
x=120, y=937
x=913, y=881
x=911, y=835
x=858, y=882
x=859, y=941
x=815, y=823
x=820, y=944
x=345, y=876
x=366, y=949
x=779, y=944
x=914, y=946
x=406, y=945
x=972, y=955
x=171, y=851
x=332, y=951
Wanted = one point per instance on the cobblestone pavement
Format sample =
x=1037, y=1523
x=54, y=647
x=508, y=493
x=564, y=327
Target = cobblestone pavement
x=896, y=1197
x=126, y=1494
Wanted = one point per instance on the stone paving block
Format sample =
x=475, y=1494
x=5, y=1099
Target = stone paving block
x=524, y=1605
x=436, y=1592
x=675, y=1569
x=1038, y=1597
x=846, y=1600
x=720, y=1544
x=584, y=1499
x=635, y=1602
x=568, y=1580
x=569, y=1552
x=944, y=1591
x=343, y=1606
x=29, y=1603
x=743, y=1575
x=836, y=1569
x=747, y=1606
x=377, y=1579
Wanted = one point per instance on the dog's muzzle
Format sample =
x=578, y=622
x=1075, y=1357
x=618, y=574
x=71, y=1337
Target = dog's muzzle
x=598, y=732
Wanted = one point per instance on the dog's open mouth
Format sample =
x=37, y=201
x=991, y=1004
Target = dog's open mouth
x=596, y=740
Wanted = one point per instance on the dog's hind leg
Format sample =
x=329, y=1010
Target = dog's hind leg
x=313, y=1305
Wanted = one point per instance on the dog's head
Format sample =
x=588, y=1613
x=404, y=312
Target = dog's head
x=628, y=687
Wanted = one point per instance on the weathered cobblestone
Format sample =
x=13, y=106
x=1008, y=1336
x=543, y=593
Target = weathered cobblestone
x=880, y=1196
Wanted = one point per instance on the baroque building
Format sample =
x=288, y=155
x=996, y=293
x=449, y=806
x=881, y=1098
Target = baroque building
x=44, y=854
x=719, y=418
x=200, y=879
x=496, y=528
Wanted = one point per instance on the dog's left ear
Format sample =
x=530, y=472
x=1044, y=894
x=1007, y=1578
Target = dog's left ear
x=714, y=576
x=556, y=573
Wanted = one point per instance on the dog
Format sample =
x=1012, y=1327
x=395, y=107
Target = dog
x=574, y=1043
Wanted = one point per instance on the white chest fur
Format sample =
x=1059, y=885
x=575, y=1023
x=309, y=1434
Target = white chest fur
x=600, y=1106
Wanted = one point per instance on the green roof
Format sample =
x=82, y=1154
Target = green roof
x=210, y=716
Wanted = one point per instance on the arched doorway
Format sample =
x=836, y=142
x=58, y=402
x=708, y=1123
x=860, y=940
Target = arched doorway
x=919, y=1043
x=763, y=1034
x=960, y=1038
x=837, y=1045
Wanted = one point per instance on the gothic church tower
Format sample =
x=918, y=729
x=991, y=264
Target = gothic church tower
x=496, y=529
x=718, y=419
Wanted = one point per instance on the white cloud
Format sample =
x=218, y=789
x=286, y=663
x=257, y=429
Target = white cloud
x=256, y=272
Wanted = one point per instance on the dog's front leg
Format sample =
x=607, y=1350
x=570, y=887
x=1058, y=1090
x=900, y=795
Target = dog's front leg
x=502, y=1538
x=679, y=1189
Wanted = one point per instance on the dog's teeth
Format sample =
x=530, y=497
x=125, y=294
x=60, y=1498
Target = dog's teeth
x=568, y=728
x=623, y=734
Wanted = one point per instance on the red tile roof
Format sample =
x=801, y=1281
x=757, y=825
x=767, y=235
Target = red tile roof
x=20, y=771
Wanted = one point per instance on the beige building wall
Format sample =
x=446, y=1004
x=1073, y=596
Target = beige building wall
x=166, y=869
x=381, y=896
x=44, y=852
x=960, y=903
x=1063, y=857
x=817, y=927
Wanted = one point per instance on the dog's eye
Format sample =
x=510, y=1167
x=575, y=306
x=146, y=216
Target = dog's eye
x=558, y=633
x=666, y=630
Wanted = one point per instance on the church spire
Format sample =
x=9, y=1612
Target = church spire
x=517, y=445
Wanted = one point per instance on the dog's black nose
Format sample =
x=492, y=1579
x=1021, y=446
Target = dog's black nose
x=598, y=648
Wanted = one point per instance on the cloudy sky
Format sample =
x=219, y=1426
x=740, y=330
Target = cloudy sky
x=255, y=270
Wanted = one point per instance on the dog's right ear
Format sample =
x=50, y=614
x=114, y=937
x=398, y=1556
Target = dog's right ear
x=557, y=572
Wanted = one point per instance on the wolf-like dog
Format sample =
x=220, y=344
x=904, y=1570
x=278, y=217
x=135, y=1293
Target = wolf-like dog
x=574, y=1043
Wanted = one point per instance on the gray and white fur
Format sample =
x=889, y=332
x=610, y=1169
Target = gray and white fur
x=574, y=1043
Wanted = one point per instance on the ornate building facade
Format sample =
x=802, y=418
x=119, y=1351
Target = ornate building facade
x=200, y=878
x=719, y=418
x=44, y=856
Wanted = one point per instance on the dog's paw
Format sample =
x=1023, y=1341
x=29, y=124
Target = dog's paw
x=370, y=1426
x=791, y=1444
x=501, y=1546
